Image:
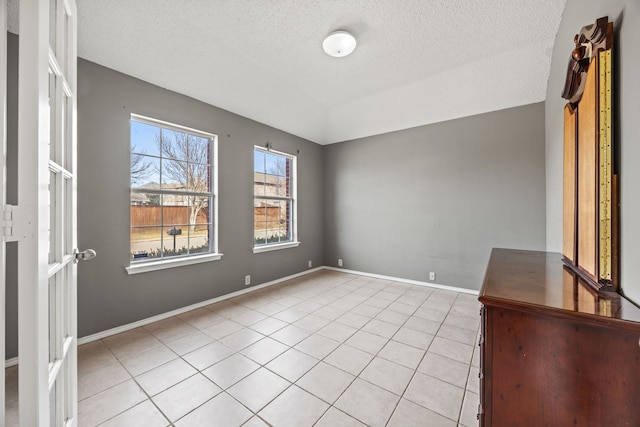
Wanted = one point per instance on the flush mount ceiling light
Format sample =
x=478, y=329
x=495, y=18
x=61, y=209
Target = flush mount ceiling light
x=339, y=44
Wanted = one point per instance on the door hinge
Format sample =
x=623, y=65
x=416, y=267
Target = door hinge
x=7, y=224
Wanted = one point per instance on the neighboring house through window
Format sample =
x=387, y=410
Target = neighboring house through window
x=173, y=194
x=274, y=200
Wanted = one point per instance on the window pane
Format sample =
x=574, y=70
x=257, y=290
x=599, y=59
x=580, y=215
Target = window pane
x=259, y=214
x=272, y=162
x=146, y=242
x=285, y=231
x=258, y=161
x=273, y=197
x=145, y=210
x=272, y=231
x=173, y=161
x=199, y=238
x=175, y=242
x=281, y=186
x=271, y=185
x=174, y=175
x=260, y=237
x=174, y=210
x=198, y=177
x=198, y=210
x=174, y=144
x=145, y=171
x=145, y=139
x=259, y=187
x=199, y=150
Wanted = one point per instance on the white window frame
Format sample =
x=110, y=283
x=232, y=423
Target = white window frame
x=267, y=247
x=153, y=264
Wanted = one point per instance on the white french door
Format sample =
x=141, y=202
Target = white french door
x=3, y=162
x=45, y=218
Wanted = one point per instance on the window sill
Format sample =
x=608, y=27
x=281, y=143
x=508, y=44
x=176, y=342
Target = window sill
x=275, y=247
x=144, y=267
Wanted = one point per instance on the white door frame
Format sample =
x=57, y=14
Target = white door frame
x=33, y=135
x=47, y=355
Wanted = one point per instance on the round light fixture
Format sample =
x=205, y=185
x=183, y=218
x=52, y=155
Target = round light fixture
x=339, y=44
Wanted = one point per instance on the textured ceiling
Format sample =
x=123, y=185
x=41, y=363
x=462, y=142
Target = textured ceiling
x=417, y=61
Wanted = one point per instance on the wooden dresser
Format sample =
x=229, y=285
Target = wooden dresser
x=554, y=352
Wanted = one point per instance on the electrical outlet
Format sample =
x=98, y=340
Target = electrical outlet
x=432, y=275
x=339, y=262
x=310, y=264
x=247, y=280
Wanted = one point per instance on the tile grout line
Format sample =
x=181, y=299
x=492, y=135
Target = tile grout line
x=421, y=359
x=305, y=296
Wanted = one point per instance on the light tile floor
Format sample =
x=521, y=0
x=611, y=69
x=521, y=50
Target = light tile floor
x=325, y=349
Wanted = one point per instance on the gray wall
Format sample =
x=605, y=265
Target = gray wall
x=626, y=18
x=107, y=296
x=437, y=197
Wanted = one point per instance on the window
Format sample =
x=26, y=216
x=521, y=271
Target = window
x=274, y=200
x=173, y=194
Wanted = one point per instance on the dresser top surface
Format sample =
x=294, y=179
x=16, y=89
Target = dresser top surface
x=540, y=280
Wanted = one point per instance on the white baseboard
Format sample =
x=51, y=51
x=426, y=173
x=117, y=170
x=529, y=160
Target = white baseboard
x=123, y=328
x=129, y=326
x=409, y=281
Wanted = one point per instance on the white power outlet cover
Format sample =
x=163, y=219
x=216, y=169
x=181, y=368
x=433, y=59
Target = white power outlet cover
x=247, y=280
x=339, y=262
x=432, y=275
x=310, y=264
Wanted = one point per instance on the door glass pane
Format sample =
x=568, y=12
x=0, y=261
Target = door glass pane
x=69, y=379
x=67, y=301
x=67, y=137
x=53, y=405
x=57, y=401
x=53, y=154
x=53, y=315
x=53, y=28
x=53, y=199
x=67, y=243
x=63, y=56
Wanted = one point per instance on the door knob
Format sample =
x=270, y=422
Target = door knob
x=85, y=255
